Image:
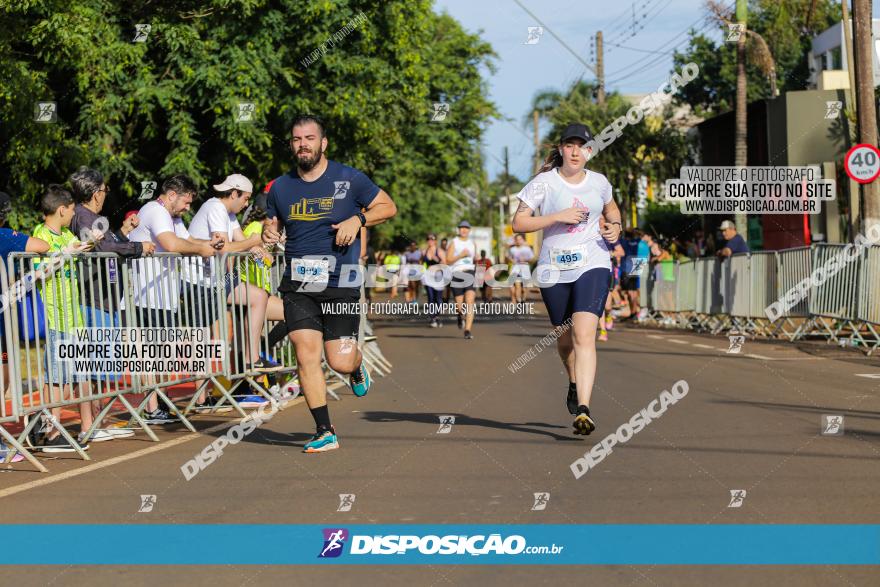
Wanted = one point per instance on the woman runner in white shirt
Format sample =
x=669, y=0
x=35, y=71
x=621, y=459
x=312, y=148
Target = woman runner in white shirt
x=574, y=267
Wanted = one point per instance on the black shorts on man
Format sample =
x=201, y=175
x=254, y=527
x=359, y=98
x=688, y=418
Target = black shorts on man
x=332, y=311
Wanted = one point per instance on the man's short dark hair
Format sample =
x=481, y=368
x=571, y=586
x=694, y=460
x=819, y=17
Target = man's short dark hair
x=182, y=184
x=55, y=197
x=85, y=181
x=305, y=119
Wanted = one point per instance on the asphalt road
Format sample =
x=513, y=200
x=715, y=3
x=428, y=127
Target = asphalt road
x=750, y=421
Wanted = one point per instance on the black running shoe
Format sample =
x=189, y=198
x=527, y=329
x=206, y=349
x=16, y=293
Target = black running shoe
x=571, y=402
x=468, y=335
x=265, y=366
x=583, y=423
x=159, y=416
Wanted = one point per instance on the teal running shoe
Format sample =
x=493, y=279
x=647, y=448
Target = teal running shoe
x=322, y=441
x=360, y=381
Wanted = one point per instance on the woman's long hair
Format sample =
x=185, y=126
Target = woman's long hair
x=553, y=160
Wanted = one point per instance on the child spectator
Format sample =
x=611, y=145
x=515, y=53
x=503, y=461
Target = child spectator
x=60, y=293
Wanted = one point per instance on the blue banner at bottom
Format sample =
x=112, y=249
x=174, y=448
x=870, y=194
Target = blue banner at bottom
x=379, y=544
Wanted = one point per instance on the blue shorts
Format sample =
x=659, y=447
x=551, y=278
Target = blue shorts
x=586, y=294
x=59, y=372
x=98, y=318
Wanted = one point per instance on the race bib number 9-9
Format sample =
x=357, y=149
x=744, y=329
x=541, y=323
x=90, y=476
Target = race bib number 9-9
x=310, y=270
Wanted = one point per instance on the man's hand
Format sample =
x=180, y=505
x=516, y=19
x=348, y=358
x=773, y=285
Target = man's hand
x=218, y=242
x=572, y=215
x=610, y=231
x=130, y=224
x=206, y=250
x=148, y=248
x=270, y=236
x=347, y=230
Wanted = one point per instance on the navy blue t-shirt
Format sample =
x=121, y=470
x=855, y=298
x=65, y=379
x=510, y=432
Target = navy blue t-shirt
x=309, y=209
x=737, y=245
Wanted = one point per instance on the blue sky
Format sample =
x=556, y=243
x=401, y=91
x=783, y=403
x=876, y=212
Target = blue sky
x=523, y=70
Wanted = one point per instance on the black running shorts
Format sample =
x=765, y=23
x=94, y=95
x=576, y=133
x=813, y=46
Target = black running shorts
x=333, y=311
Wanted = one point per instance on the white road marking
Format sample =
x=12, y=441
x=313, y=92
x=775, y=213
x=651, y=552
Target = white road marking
x=656, y=336
x=762, y=357
x=869, y=375
x=138, y=453
x=676, y=341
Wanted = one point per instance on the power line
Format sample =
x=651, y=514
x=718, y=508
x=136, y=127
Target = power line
x=644, y=19
x=639, y=50
x=641, y=65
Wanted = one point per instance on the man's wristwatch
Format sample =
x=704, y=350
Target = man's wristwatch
x=362, y=218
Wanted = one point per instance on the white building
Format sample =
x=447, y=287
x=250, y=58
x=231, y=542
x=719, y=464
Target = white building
x=829, y=60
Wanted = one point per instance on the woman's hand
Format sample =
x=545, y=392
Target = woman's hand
x=572, y=215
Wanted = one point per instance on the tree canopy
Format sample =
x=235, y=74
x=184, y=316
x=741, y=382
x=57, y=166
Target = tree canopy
x=787, y=27
x=140, y=111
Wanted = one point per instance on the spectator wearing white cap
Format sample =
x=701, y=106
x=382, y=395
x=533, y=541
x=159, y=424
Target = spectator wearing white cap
x=735, y=243
x=216, y=219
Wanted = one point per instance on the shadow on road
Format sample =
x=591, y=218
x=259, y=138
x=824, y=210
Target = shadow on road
x=462, y=420
x=802, y=408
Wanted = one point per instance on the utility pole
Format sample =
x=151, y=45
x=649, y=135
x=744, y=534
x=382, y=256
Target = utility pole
x=537, y=142
x=505, y=208
x=600, y=69
x=855, y=208
x=864, y=92
x=741, y=149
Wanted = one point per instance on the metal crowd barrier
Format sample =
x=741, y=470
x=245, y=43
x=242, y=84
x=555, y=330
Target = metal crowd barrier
x=869, y=300
x=793, y=266
x=47, y=297
x=736, y=294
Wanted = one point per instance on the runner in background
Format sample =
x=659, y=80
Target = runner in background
x=606, y=321
x=460, y=258
x=574, y=265
x=433, y=278
x=484, y=275
x=413, y=271
x=519, y=256
x=392, y=268
x=444, y=246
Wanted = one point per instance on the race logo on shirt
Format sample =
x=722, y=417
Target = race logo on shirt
x=583, y=224
x=342, y=188
x=311, y=209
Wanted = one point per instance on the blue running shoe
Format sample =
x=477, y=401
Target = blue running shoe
x=322, y=441
x=360, y=381
x=251, y=401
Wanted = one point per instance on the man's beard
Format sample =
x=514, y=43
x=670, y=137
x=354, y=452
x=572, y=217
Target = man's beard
x=307, y=162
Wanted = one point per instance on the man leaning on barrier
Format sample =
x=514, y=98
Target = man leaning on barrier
x=101, y=307
x=322, y=206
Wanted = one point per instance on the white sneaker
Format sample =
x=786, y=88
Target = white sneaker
x=97, y=436
x=118, y=432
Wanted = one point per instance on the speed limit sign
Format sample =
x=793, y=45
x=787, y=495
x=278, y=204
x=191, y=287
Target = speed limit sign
x=862, y=163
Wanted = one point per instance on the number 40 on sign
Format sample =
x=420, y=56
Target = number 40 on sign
x=862, y=163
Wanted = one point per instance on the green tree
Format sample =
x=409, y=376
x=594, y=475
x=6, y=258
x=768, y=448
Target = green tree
x=140, y=111
x=787, y=26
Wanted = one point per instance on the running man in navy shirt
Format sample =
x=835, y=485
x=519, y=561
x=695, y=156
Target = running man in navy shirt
x=322, y=206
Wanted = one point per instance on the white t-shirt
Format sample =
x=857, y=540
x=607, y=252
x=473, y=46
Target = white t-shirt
x=549, y=193
x=155, y=280
x=458, y=246
x=521, y=255
x=212, y=217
